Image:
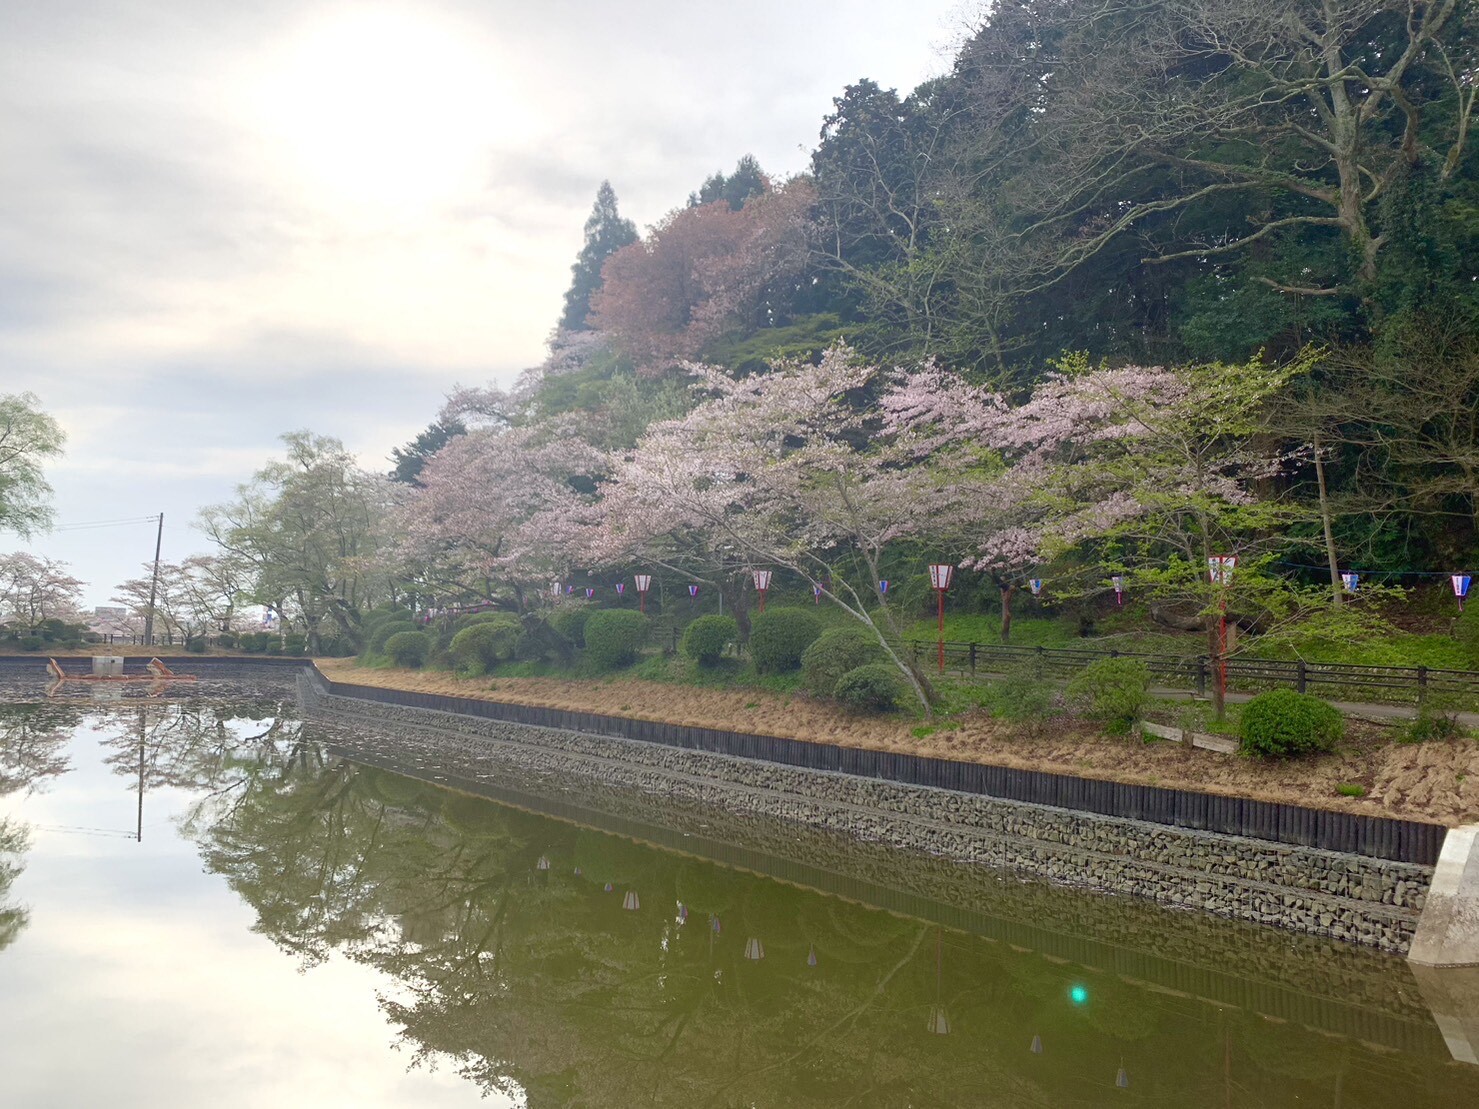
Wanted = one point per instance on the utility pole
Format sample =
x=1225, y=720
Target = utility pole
x=154, y=585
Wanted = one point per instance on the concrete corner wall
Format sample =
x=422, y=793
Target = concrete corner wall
x=1448, y=930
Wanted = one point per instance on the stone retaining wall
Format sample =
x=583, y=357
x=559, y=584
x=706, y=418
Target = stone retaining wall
x=1349, y=897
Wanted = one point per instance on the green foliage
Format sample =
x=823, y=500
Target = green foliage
x=226, y=640
x=196, y=646
x=294, y=643
x=1466, y=631
x=780, y=636
x=707, y=638
x=1437, y=719
x=1111, y=692
x=872, y=687
x=1350, y=789
x=834, y=653
x=570, y=622
x=31, y=643
x=613, y=638
x=30, y=437
x=1285, y=724
x=1022, y=696
x=409, y=649
x=606, y=232
x=382, y=633
x=412, y=457
x=539, y=641
x=483, y=644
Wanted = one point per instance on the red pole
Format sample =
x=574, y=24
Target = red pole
x=642, y=601
x=940, y=593
x=1222, y=651
x=762, y=599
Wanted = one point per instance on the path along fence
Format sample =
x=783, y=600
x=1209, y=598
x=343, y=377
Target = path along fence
x=1335, y=681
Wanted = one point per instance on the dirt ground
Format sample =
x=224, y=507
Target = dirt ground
x=1436, y=781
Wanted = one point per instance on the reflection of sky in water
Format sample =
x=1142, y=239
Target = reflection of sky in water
x=297, y=930
x=138, y=980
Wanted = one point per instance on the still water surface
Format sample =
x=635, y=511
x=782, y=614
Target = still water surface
x=210, y=903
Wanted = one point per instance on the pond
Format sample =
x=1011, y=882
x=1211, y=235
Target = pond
x=214, y=901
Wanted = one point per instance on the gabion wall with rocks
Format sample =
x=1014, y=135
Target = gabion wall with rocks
x=1355, y=898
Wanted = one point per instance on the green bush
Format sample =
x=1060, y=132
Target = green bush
x=196, y=646
x=872, y=687
x=31, y=642
x=226, y=640
x=1350, y=789
x=834, y=653
x=1284, y=724
x=539, y=641
x=570, y=622
x=274, y=646
x=409, y=648
x=1111, y=692
x=382, y=633
x=780, y=637
x=294, y=643
x=1020, y=695
x=707, y=638
x=1437, y=719
x=483, y=644
x=613, y=637
x=472, y=619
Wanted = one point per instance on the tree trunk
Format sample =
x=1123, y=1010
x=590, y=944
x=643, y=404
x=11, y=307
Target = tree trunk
x=1006, y=611
x=1335, y=585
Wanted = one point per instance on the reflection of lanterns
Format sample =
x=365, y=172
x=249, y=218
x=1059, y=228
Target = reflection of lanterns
x=754, y=949
x=1122, y=1080
x=1036, y=1047
x=682, y=913
x=542, y=864
x=715, y=926
x=577, y=872
x=631, y=902
x=811, y=956
x=608, y=887
x=939, y=1022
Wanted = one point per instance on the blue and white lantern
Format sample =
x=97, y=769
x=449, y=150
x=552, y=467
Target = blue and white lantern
x=693, y=591
x=621, y=587
x=1350, y=580
x=1461, y=588
x=1035, y=584
x=883, y=586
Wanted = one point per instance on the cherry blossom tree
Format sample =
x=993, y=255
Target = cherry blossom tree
x=34, y=589
x=500, y=512
x=699, y=271
x=790, y=469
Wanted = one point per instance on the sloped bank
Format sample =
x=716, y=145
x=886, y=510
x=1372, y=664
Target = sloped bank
x=1356, y=897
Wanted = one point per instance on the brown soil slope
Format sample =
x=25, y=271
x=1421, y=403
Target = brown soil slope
x=1432, y=781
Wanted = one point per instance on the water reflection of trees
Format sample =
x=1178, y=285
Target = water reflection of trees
x=539, y=979
x=13, y=843
x=33, y=739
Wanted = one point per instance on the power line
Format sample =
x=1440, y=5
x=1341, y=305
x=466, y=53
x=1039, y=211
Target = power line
x=107, y=523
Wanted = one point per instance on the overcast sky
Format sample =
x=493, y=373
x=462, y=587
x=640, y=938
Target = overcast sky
x=224, y=221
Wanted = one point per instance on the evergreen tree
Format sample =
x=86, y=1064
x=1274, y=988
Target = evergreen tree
x=410, y=458
x=605, y=233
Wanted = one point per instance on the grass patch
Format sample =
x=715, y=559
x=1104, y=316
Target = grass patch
x=1350, y=789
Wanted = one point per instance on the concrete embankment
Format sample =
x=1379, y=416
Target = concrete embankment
x=1357, y=898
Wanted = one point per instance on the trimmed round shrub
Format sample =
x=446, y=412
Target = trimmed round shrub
x=382, y=633
x=613, y=637
x=226, y=640
x=706, y=639
x=31, y=643
x=1283, y=724
x=274, y=646
x=482, y=645
x=474, y=618
x=1111, y=692
x=1021, y=696
x=570, y=622
x=780, y=637
x=409, y=648
x=873, y=687
x=294, y=643
x=196, y=646
x=835, y=652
